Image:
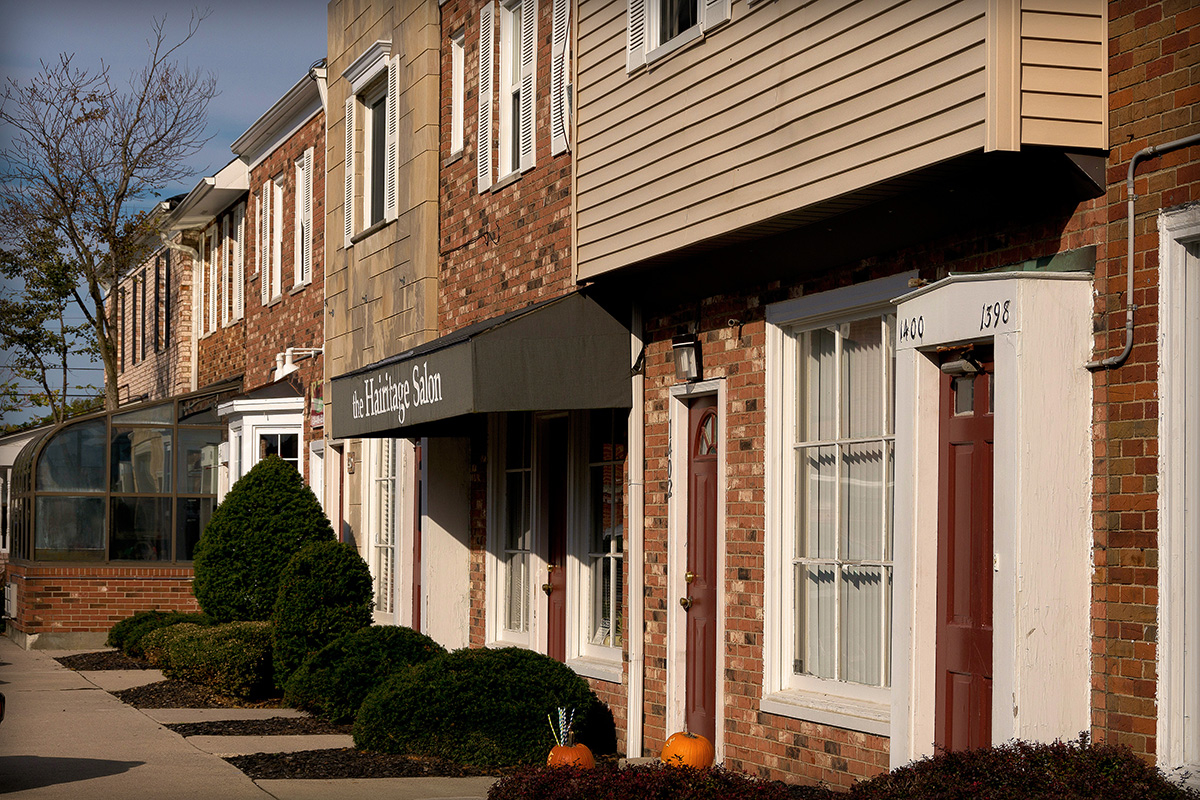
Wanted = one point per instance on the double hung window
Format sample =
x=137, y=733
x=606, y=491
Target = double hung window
x=457, y=65
x=372, y=140
x=829, y=540
x=513, y=79
x=605, y=532
x=270, y=241
x=384, y=545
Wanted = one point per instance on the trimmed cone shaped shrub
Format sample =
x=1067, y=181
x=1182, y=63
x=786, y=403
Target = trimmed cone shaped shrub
x=334, y=681
x=265, y=519
x=481, y=707
x=324, y=593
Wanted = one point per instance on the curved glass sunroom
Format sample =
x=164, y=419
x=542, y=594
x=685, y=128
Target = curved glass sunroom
x=134, y=485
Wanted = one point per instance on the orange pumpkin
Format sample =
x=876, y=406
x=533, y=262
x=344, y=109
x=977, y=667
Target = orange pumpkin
x=571, y=755
x=685, y=749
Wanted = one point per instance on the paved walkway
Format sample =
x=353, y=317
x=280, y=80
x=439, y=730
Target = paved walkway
x=64, y=736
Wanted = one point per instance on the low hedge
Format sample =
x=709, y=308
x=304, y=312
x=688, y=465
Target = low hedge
x=127, y=634
x=233, y=659
x=646, y=782
x=324, y=593
x=1072, y=770
x=334, y=681
x=481, y=707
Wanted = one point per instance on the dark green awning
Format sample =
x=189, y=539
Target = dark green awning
x=563, y=354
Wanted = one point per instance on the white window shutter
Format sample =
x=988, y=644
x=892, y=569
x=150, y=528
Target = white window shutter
x=393, y=139
x=351, y=101
x=528, y=81
x=306, y=246
x=483, y=137
x=226, y=272
x=239, y=263
x=214, y=279
x=560, y=75
x=201, y=281
x=264, y=243
x=635, y=55
x=714, y=13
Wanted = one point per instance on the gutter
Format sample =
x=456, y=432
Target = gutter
x=1116, y=361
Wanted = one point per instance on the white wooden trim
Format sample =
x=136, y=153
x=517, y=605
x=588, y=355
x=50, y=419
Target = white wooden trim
x=528, y=126
x=348, y=168
x=483, y=134
x=559, y=74
x=393, y=140
x=635, y=44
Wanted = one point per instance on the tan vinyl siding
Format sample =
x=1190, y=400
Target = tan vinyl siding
x=1064, y=73
x=788, y=105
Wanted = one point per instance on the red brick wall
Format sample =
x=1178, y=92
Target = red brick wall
x=508, y=248
x=1154, y=89
x=90, y=599
x=759, y=743
x=168, y=371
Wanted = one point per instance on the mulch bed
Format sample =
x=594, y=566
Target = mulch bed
x=102, y=660
x=275, y=726
x=349, y=763
x=181, y=694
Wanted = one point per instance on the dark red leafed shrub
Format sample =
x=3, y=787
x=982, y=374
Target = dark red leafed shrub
x=646, y=782
x=1072, y=770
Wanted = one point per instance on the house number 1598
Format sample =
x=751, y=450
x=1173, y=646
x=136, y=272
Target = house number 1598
x=993, y=315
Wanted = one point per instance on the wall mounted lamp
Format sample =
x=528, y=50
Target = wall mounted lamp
x=285, y=362
x=686, y=351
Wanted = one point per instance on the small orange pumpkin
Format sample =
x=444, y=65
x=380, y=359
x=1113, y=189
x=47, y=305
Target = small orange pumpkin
x=571, y=755
x=685, y=749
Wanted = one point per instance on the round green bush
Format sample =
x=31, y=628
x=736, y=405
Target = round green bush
x=324, y=593
x=334, y=681
x=480, y=707
x=265, y=519
x=127, y=634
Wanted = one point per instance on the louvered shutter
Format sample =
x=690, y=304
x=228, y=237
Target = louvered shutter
x=714, y=13
x=635, y=56
x=306, y=243
x=560, y=75
x=393, y=138
x=483, y=137
x=214, y=278
x=528, y=81
x=349, y=166
x=226, y=272
x=264, y=243
x=239, y=263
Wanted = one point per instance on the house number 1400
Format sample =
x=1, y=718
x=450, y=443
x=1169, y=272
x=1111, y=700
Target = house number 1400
x=993, y=315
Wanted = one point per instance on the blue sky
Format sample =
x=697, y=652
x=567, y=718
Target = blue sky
x=256, y=48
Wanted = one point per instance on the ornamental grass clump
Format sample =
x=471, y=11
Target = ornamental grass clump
x=481, y=707
x=127, y=634
x=266, y=518
x=324, y=593
x=334, y=681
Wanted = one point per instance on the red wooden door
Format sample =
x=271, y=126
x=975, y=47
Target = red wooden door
x=965, y=562
x=553, y=472
x=700, y=704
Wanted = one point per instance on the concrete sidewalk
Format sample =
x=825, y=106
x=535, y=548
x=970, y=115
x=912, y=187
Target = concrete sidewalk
x=64, y=736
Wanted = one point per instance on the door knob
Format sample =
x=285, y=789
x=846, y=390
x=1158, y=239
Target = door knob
x=689, y=576
x=686, y=602
x=547, y=588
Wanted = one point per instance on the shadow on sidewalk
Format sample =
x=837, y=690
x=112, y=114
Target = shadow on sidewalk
x=31, y=772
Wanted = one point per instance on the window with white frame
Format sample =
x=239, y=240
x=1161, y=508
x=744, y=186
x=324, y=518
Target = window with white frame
x=830, y=506
x=233, y=228
x=270, y=239
x=384, y=545
x=516, y=524
x=605, y=530
x=371, y=127
x=457, y=65
x=303, y=246
x=1178, y=696
x=657, y=27
x=284, y=444
x=514, y=78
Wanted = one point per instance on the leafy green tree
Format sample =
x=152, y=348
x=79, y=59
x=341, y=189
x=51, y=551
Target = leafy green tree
x=34, y=326
x=86, y=156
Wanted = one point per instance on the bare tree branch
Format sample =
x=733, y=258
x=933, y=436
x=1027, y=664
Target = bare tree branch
x=86, y=154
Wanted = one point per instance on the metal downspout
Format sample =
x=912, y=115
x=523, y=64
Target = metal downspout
x=635, y=546
x=1112, y=362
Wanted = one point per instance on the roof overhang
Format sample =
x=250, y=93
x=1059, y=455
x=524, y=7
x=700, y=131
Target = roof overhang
x=563, y=354
x=211, y=196
x=297, y=106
